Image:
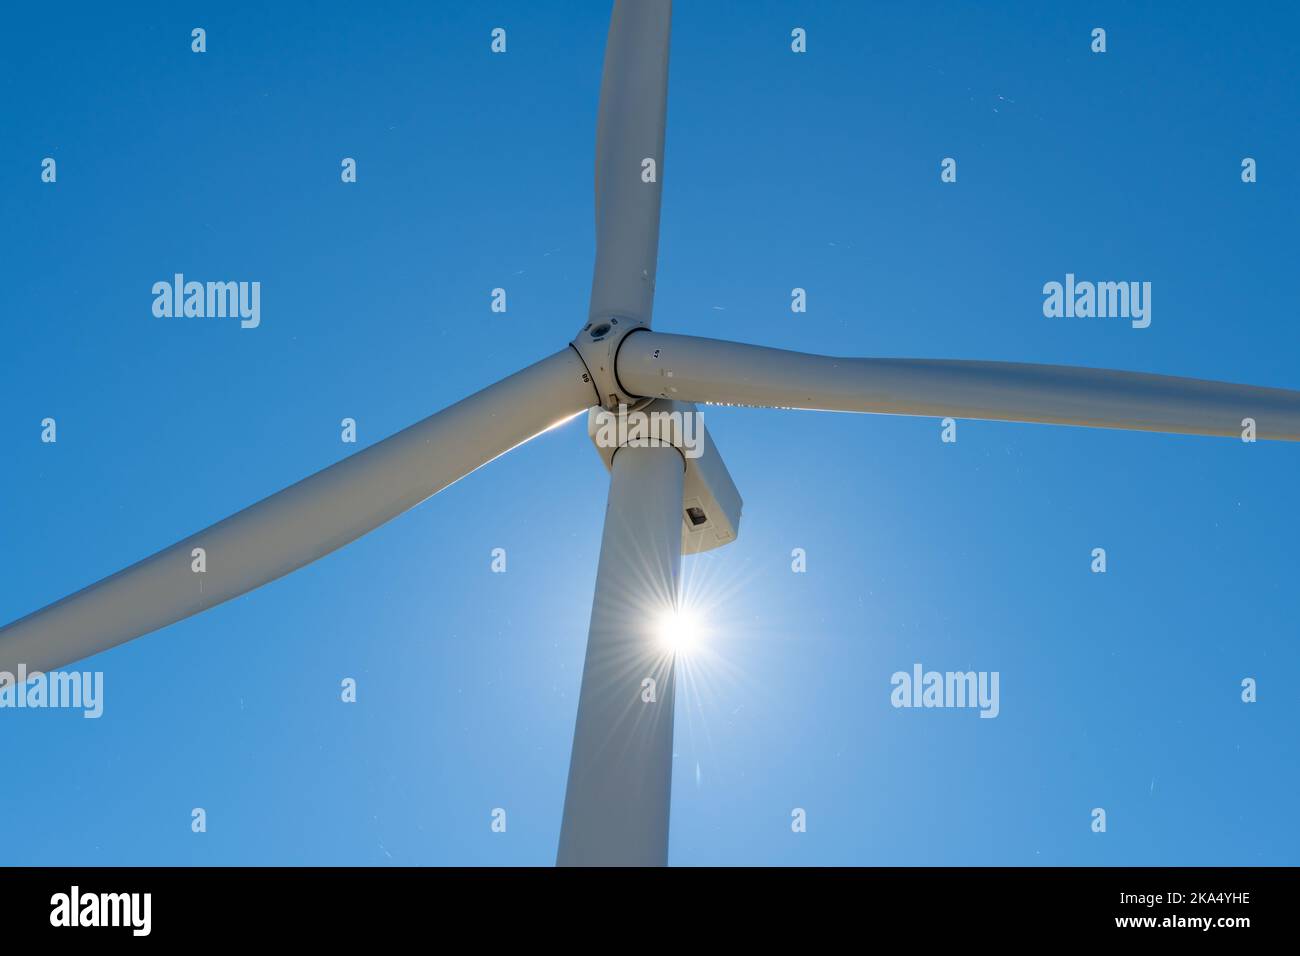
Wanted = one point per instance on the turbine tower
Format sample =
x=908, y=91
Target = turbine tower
x=662, y=500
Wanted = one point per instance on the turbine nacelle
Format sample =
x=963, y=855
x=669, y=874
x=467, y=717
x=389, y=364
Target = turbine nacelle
x=711, y=505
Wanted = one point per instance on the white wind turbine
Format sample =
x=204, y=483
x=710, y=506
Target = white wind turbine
x=661, y=502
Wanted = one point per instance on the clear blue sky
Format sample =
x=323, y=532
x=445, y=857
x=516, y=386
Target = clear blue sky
x=821, y=171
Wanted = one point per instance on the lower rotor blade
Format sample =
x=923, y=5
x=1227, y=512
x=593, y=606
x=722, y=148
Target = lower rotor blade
x=303, y=522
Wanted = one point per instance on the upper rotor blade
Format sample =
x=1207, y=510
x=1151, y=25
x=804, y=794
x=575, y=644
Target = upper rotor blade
x=301, y=523
x=653, y=364
x=629, y=131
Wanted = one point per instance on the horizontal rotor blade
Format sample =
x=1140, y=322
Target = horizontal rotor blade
x=629, y=131
x=303, y=522
x=654, y=364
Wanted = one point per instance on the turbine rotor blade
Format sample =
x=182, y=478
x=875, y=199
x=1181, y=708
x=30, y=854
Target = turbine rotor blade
x=303, y=522
x=629, y=131
x=653, y=364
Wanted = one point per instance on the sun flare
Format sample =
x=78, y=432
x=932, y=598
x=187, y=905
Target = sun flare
x=679, y=630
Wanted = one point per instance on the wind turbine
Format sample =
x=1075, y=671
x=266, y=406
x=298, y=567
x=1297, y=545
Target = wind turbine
x=661, y=501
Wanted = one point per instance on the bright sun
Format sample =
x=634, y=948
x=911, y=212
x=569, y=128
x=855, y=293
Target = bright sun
x=679, y=630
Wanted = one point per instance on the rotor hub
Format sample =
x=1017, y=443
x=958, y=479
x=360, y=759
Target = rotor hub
x=597, y=344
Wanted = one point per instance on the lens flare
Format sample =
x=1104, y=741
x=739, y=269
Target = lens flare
x=679, y=630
